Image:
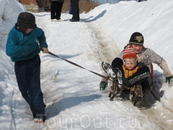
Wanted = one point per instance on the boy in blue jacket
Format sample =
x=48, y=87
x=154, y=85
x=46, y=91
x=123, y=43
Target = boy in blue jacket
x=23, y=46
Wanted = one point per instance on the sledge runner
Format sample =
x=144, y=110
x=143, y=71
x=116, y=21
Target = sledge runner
x=24, y=42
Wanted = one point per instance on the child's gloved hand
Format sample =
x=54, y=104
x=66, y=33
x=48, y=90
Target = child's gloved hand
x=168, y=79
x=126, y=82
x=103, y=85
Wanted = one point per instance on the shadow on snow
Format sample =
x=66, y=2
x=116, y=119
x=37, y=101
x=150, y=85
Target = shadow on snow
x=69, y=102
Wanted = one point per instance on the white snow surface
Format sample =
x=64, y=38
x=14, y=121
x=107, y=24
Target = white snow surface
x=72, y=95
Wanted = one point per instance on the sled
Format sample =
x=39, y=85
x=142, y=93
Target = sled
x=135, y=94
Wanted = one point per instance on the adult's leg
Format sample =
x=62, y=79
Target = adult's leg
x=70, y=11
x=58, y=10
x=53, y=10
x=75, y=10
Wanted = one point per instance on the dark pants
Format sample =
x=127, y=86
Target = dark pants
x=56, y=10
x=75, y=10
x=70, y=11
x=28, y=79
x=142, y=76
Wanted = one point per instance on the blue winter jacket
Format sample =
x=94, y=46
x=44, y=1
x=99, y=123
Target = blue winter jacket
x=24, y=46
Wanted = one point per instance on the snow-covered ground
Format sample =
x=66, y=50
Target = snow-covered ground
x=72, y=95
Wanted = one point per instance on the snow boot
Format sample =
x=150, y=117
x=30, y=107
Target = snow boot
x=113, y=73
x=116, y=75
x=108, y=69
x=39, y=118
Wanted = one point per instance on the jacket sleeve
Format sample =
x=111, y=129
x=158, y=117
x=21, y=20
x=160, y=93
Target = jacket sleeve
x=155, y=58
x=163, y=65
x=42, y=39
x=142, y=74
x=15, y=50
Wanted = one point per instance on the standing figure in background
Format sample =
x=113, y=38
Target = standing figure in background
x=56, y=6
x=75, y=11
x=25, y=40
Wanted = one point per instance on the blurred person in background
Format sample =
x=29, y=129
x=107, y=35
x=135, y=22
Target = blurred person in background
x=56, y=7
x=75, y=11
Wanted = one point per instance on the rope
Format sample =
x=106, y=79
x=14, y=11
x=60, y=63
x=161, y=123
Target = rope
x=79, y=66
x=87, y=69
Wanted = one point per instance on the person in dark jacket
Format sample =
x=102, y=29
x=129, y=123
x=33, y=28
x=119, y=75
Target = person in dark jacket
x=24, y=42
x=132, y=73
x=56, y=7
x=75, y=11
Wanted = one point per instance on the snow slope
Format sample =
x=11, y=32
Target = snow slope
x=72, y=95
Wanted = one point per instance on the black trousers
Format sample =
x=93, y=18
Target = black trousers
x=28, y=79
x=56, y=10
x=75, y=10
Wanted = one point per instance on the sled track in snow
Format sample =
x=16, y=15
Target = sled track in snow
x=106, y=50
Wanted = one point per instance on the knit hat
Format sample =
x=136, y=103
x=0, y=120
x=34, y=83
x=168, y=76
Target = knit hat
x=129, y=53
x=136, y=38
x=26, y=20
